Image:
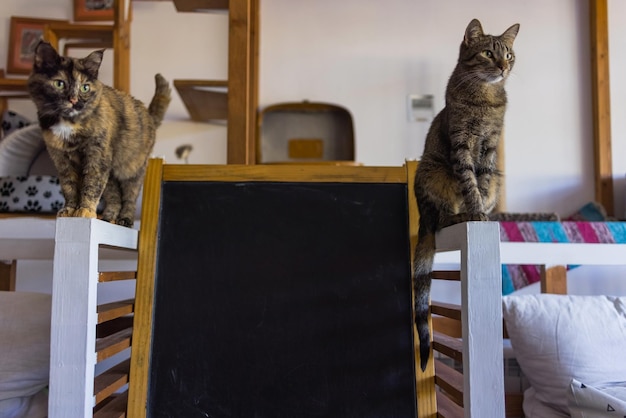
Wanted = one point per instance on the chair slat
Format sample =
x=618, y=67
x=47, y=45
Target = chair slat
x=446, y=408
x=109, y=311
x=447, y=275
x=115, y=325
x=451, y=327
x=451, y=347
x=111, y=276
x=450, y=380
x=114, y=409
x=448, y=310
x=113, y=344
x=111, y=380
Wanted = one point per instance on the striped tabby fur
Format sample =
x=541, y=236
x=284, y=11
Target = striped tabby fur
x=457, y=179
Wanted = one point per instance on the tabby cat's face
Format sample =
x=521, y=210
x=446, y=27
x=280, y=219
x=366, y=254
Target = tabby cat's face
x=62, y=87
x=488, y=58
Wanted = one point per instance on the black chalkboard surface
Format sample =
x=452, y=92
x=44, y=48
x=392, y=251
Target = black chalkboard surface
x=281, y=299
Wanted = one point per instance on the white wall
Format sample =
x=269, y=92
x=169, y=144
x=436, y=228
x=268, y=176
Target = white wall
x=368, y=55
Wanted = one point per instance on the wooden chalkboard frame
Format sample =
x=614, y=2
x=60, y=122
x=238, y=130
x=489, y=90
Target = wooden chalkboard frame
x=158, y=173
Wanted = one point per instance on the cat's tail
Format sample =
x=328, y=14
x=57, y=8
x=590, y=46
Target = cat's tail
x=160, y=100
x=422, y=270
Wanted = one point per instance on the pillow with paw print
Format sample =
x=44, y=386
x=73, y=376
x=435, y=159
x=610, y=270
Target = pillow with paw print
x=30, y=194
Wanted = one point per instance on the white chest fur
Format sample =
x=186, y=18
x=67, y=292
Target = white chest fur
x=62, y=130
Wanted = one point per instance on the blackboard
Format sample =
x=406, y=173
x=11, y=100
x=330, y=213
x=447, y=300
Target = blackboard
x=281, y=299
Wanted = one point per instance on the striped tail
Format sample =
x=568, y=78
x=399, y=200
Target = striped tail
x=422, y=270
x=160, y=100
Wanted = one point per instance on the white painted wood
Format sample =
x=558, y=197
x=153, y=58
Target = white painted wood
x=549, y=253
x=74, y=301
x=32, y=238
x=481, y=315
x=562, y=253
x=25, y=238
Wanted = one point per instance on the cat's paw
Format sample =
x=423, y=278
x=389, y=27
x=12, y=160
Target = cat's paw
x=125, y=222
x=464, y=217
x=478, y=217
x=66, y=212
x=84, y=213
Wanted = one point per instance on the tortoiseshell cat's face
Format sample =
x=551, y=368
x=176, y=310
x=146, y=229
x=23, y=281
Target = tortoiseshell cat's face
x=62, y=87
x=487, y=58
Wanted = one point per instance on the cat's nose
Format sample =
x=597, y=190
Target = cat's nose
x=73, y=100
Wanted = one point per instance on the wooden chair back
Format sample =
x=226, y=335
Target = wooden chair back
x=448, y=347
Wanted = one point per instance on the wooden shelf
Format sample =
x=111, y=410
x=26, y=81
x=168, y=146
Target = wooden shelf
x=102, y=34
x=201, y=5
x=205, y=100
x=11, y=88
x=13, y=85
x=238, y=106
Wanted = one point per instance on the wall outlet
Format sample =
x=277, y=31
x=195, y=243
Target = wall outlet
x=420, y=107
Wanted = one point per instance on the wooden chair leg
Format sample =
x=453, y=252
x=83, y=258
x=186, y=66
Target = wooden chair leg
x=554, y=280
x=7, y=275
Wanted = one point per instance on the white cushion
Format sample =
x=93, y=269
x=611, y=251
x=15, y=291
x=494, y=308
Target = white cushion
x=558, y=338
x=19, y=149
x=31, y=194
x=586, y=401
x=12, y=121
x=24, y=353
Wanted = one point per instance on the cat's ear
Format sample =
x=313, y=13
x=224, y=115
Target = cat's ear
x=473, y=32
x=509, y=35
x=92, y=62
x=46, y=57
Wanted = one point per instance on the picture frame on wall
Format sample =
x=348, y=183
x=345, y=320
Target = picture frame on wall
x=92, y=10
x=25, y=33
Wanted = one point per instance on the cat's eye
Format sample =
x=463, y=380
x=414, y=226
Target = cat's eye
x=509, y=56
x=59, y=84
x=488, y=54
x=85, y=88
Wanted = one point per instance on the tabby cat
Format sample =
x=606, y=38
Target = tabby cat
x=99, y=138
x=457, y=179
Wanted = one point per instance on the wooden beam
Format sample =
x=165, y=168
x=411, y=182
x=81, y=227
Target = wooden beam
x=242, y=80
x=601, y=100
x=253, y=79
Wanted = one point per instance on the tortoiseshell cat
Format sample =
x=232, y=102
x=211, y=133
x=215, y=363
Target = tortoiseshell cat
x=457, y=179
x=99, y=138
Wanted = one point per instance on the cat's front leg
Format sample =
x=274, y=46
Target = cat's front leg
x=95, y=176
x=488, y=177
x=90, y=196
x=464, y=217
x=69, y=181
x=463, y=168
